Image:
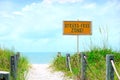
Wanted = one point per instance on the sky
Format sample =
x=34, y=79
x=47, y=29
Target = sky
x=37, y=25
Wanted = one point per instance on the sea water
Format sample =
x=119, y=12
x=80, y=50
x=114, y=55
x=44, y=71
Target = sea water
x=41, y=57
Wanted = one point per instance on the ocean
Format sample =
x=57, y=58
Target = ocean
x=41, y=57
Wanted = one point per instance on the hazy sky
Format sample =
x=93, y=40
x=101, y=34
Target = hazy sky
x=37, y=25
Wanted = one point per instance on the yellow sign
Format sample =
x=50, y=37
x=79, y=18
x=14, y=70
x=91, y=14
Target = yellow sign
x=77, y=28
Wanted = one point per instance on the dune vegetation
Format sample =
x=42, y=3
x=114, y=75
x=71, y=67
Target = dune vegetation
x=96, y=64
x=22, y=66
x=96, y=61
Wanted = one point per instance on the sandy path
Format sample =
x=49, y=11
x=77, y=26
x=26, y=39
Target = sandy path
x=42, y=72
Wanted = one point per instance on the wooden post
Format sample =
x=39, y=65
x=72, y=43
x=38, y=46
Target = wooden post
x=4, y=75
x=109, y=68
x=77, y=44
x=67, y=61
x=59, y=54
x=17, y=56
x=13, y=65
x=83, y=67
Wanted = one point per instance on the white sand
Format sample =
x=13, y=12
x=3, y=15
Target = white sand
x=43, y=72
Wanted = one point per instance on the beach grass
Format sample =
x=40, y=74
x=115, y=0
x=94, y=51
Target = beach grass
x=96, y=59
x=23, y=63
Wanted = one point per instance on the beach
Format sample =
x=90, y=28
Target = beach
x=43, y=72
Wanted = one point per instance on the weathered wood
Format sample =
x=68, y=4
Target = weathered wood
x=109, y=68
x=83, y=67
x=13, y=67
x=4, y=75
x=67, y=61
x=59, y=54
x=17, y=56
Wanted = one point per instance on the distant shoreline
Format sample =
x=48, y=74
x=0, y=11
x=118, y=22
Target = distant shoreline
x=41, y=57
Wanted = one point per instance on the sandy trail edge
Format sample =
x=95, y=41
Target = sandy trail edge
x=43, y=72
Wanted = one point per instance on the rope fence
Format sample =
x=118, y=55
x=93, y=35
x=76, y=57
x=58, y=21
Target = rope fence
x=110, y=67
x=85, y=58
x=113, y=65
x=70, y=65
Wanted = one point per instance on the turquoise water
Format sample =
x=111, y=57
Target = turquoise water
x=40, y=57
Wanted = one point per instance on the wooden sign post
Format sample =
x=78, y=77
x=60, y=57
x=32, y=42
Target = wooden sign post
x=77, y=28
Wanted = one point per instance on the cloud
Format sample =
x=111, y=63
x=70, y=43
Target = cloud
x=4, y=30
x=35, y=35
x=32, y=22
x=89, y=6
x=40, y=24
x=61, y=1
x=69, y=1
x=17, y=13
x=38, y=21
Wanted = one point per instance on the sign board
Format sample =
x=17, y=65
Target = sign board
x=77, y=28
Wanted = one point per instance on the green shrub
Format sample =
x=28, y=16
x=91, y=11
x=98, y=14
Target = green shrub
x=96, y=59
x=23, y=64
